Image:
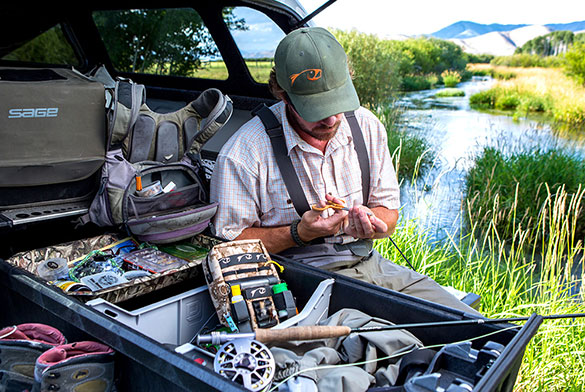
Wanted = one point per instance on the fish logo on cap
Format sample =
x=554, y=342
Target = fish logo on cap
x=311, y=73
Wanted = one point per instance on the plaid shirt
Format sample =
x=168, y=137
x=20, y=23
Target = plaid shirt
x=248, y=185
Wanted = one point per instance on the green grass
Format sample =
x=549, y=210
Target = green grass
x=259, y=69
x=418, y=82
x=520, y=103
x=450, y=78
x=508, y=188
x=514, y=281
x=544, y=91
x=450, y=92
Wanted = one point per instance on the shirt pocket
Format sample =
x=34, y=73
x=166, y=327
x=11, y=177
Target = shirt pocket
x=278, y=204
x=348, y=179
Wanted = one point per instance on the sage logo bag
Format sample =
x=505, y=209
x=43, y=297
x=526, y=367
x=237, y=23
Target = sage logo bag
x=152, y=181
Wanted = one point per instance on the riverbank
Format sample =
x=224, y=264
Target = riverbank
x=528, y=91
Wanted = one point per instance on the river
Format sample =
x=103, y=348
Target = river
x=456, y=132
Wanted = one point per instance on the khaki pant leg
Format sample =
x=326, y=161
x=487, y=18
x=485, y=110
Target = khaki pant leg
x=381, y=272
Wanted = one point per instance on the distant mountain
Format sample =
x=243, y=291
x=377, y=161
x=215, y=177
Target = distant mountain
x=574, y=26
x=498, y=39
x=466, y=29
x=251, y=54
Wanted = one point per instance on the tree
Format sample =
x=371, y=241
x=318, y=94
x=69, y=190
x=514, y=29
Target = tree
x=164, y=41
x=375, y=65
x=551, y=44
x=575, y=62
x=50, y=47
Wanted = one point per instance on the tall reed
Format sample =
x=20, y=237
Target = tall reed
x=508, y=187
x=513, y=279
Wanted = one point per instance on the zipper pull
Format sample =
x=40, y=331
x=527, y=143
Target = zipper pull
x=138, y=182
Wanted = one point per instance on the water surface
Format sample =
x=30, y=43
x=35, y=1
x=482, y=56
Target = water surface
x=457, y=132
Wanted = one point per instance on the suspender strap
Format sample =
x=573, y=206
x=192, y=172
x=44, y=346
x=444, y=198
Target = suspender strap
x=287, y=171
x=289, y=175
x=362, y=152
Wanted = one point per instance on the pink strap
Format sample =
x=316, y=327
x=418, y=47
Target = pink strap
x=73, y=350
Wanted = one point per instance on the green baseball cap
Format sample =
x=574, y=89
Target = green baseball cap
x=311, y=66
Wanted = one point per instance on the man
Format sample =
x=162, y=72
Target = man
x=311, y=78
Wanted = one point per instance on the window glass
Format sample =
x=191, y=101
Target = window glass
x=50, y=47
x=160, y=41
x=257, y=38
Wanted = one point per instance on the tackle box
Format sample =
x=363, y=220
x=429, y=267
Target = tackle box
x=144, y=364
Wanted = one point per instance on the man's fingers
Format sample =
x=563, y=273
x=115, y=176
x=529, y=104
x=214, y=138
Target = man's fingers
x=379, y=225
x=334, y=199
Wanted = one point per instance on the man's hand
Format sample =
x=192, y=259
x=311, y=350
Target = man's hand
x=314, y=225
x=363, y=223
x=380, y=224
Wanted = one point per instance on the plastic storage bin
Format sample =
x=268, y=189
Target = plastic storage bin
x=174, y=320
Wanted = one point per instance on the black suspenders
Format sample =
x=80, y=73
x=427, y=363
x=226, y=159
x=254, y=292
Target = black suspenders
x=289, y=175
x=287, y=171
x=362, y=152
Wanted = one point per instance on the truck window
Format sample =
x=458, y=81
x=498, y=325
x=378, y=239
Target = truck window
x=51, y=48
x=257, y=40
x=160, y=41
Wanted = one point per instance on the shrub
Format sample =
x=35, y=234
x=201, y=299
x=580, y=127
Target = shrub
x=451, y=78
x=484, y=99
x=415, y=83
x=508, y=101
x=376, y=66
x=518, y=60
x=433, y=80
x=534, y=104
x=479, y=58
x=575, y=62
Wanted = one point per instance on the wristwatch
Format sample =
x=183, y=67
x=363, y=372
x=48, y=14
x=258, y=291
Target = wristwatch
x=294, y=233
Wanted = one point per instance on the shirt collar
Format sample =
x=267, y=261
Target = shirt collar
x=341, y=138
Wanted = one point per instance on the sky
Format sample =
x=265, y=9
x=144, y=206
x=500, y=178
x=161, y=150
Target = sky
x=413, y=17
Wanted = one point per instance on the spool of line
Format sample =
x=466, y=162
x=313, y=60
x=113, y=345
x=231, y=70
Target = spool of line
x=53, y=269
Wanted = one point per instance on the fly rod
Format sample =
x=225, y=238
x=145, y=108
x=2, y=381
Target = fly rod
x=330, y=331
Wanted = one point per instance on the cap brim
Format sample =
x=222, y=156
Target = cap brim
x=315, y=107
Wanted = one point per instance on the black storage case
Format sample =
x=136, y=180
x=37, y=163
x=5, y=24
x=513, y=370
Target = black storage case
x=145, y=365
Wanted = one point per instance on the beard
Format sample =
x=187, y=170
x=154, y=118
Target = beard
x=323, y=133
x=319, y=132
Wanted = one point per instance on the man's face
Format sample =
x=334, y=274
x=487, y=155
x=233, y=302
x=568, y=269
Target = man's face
x=323, y=130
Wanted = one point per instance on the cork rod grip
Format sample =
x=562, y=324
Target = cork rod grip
x=301, y=333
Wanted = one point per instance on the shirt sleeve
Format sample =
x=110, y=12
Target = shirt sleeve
x=233, y=186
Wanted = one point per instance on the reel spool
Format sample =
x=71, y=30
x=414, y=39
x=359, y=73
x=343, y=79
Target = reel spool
x=247, y=362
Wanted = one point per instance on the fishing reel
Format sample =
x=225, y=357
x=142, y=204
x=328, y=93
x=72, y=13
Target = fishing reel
x=247, y=362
